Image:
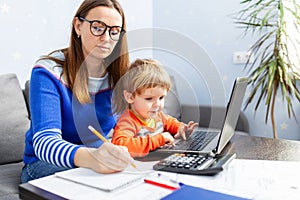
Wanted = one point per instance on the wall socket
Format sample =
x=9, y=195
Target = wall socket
x=241, y=57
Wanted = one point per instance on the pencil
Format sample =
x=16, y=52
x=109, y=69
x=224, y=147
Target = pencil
x=97, y=133
x=160, y=184
x=102, y=138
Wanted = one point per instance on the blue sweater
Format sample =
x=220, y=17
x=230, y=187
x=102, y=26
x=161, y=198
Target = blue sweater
x=59, y=123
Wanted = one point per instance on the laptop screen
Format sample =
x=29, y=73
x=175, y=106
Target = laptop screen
x=232, y=112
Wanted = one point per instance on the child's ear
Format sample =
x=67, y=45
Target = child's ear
x=128, y=96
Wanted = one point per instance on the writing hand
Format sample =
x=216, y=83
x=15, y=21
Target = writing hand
x=108, y=158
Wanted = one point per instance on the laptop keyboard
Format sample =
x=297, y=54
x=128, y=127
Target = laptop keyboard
x=197, y=141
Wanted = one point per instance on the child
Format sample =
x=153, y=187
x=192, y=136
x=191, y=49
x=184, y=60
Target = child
x=140, y=96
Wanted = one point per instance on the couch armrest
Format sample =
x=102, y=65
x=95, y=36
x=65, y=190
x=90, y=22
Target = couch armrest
x=13, y=119
x=211, y=117
x=26, y=96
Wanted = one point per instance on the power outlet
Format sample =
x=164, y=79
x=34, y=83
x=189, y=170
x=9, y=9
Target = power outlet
x=241, y=57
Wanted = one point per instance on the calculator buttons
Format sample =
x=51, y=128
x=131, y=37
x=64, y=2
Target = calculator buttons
x=185, y=161
x=194, y=163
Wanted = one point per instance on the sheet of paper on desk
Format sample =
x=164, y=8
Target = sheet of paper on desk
x=73, y=190
x=107, y=182
x=257, y=179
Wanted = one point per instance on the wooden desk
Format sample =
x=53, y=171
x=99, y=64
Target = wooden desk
x=245, y=147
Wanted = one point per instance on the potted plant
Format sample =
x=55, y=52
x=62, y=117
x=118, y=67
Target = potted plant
x=273, y=69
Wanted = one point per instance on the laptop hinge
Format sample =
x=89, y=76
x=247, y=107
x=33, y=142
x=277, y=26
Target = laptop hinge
x=212, y=153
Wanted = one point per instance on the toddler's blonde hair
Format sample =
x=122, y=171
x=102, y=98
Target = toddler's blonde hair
x=142, y=74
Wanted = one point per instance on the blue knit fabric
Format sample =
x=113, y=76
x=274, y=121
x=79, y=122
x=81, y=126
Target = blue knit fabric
x=59, y=123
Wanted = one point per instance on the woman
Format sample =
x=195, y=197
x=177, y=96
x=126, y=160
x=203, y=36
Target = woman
x=71, y=89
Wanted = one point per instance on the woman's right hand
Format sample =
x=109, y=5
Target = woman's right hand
x=108, y=158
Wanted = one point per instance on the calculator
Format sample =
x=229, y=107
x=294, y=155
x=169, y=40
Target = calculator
x=194, y=163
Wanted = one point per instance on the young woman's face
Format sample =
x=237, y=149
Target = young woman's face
x=149, y=103
x=98, y=47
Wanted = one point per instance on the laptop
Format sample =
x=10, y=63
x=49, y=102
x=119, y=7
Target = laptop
x=213, y=141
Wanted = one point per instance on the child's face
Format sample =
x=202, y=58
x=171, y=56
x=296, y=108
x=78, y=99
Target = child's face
x=149, y=102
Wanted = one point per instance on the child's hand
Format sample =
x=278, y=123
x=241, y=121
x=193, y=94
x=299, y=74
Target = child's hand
x=186, y=130
x=168, y=138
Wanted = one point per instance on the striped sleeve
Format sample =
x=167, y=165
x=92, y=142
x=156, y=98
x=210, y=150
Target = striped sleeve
x=50, y=147
x=46, y=99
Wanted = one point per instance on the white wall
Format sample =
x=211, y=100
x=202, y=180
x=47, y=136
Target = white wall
x=33, y=28
x=203, y=58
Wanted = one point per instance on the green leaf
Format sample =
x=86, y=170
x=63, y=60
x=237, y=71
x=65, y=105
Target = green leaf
x=272, y=69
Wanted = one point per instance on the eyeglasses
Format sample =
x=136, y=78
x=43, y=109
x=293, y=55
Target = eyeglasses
x=98, y=28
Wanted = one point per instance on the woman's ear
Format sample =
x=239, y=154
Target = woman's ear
x=128, y=96
x=77, y=26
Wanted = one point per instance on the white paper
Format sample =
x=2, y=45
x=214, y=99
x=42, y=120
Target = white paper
x=256, y=179
x=106, y=182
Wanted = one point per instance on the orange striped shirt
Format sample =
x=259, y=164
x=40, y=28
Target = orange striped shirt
x=131, y=132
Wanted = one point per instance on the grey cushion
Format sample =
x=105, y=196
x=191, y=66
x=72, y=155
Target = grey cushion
x=9, y=180
x=211, y=117
x=206, y=116
x=13, y=119
x=26, y=95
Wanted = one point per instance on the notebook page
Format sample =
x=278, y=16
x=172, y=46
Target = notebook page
x=106, y=182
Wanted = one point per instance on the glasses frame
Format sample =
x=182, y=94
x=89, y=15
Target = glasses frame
x=105, y=25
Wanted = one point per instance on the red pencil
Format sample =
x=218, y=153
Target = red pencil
x=160, y=184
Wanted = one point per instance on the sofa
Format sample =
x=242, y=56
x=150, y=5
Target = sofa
x=15, y=120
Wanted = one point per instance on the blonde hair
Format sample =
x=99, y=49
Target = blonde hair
x=142, y=74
